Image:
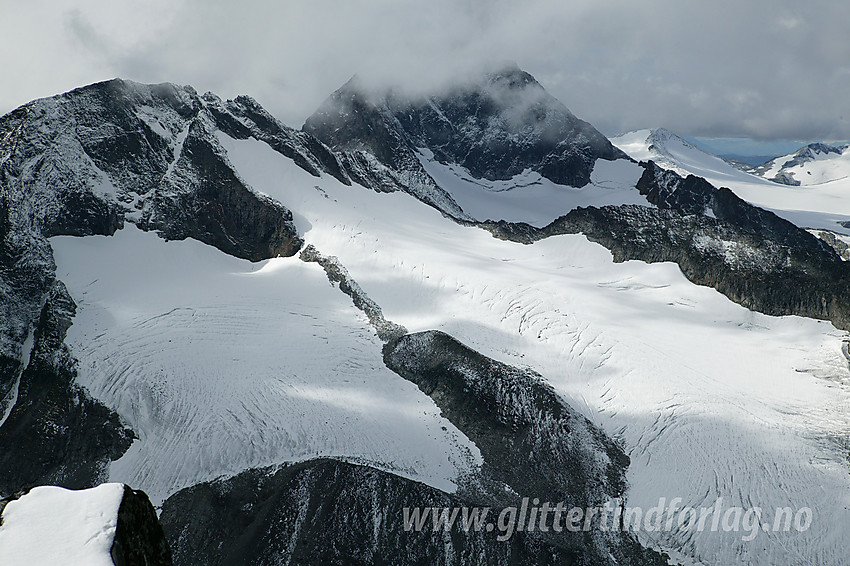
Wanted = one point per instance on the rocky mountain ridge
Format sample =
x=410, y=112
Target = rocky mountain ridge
x=496, y=127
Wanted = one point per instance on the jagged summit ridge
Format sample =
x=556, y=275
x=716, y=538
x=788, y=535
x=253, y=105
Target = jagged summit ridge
x=495, y=125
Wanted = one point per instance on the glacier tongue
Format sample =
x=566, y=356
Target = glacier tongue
x=221, y=365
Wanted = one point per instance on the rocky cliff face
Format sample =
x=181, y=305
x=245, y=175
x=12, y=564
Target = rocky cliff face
x=693, y=195
x=55, y=433
x=520, y=424
x=496, y=127
x=331, y=512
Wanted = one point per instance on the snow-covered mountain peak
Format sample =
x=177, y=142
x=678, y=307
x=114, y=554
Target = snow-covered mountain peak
x=671, y=151
x=495, y=125
x=812, y=164
x=662, y=138
x=660, y=145
x=814, y=149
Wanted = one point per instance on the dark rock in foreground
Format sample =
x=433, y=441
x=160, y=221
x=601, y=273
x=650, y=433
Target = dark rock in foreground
x=139, y=538
x=336, y=513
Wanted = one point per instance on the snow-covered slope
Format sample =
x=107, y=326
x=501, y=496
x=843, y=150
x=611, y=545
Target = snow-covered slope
x=710, y=399
x=530, y=197
x=673, y=152
x=825, y=205
x=221, y=365
x=51, y=525
x=814, y=164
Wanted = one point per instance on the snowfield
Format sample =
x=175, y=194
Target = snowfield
x=532, y=198
x=51, y=525
x=710, y=399
x=824, y=205
x=220, y=365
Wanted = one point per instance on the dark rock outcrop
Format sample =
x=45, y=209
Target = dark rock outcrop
x=694, y=195
x=338, y=274
x=139, y=538
x=83, y=162
x=249, y=119
x=336, y=513
x=534, y=445
x=56, y=434
x=515, y=418
x=208, y=201
x=834, y=241
x=755, y=258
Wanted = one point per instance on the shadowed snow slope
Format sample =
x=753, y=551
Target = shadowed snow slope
x=822, y=205
x=710, y=399
x=221, y=365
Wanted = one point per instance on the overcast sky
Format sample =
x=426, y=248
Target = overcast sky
x=766, y=69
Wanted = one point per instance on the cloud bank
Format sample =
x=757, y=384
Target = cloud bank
x=767, y=69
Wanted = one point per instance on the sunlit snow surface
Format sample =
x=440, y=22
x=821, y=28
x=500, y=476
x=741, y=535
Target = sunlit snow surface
x=823, y=167
x=221, y=365
x=50, y=526
x=709, y=399
x=821, y=205
x=531, y=198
